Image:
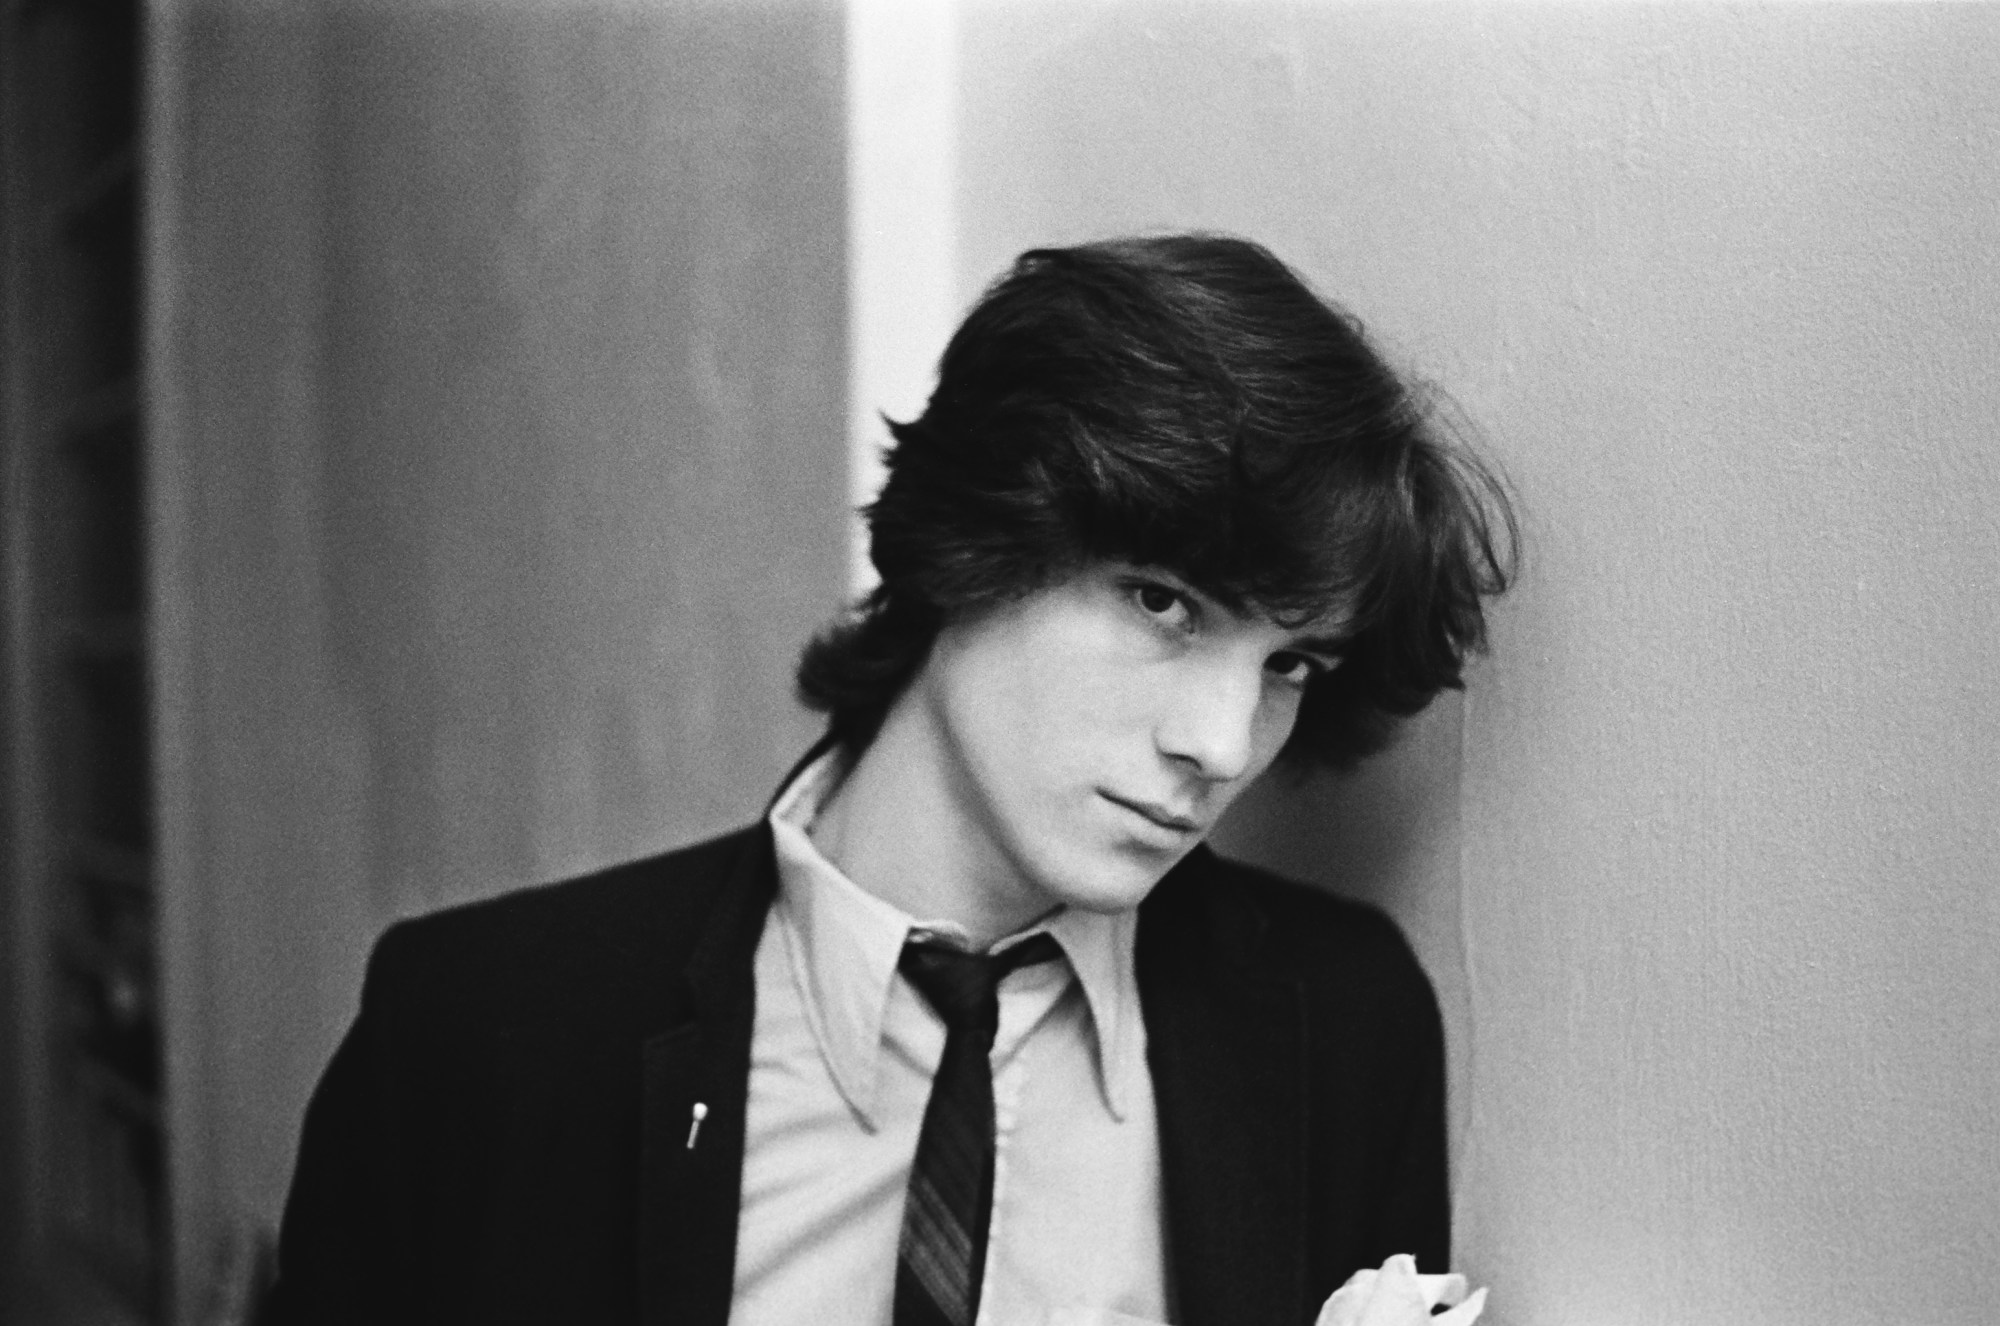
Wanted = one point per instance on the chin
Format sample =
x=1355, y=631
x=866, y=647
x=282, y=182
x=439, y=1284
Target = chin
x=1117, y=884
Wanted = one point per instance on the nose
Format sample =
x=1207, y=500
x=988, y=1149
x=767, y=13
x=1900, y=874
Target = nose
x=1210, y=724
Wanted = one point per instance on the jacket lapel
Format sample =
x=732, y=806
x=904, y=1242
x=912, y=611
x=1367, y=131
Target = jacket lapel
x=689, y=1194
x=1226, y=1046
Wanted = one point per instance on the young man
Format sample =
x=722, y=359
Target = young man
x=971, y=1027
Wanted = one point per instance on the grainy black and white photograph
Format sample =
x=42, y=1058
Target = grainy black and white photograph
x=999, y=662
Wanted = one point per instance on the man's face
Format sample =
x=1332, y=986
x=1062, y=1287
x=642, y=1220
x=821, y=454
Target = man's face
x=1094, y=731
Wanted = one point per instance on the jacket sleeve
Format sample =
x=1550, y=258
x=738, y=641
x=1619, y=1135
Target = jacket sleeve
x=345, y=1247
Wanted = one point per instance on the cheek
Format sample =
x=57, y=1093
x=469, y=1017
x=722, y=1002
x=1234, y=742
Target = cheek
x=1034, y=725
x=1071, y=698
x=1065, y=735
x=1275, y=719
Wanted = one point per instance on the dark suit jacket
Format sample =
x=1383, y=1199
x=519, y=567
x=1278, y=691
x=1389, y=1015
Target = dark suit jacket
x=502, y=1135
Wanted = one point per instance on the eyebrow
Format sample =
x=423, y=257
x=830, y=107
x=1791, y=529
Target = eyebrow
x=1334, y=645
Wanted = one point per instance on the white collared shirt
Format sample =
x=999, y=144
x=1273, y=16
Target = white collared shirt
x=841, y=1060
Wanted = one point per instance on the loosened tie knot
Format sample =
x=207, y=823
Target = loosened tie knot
x=964, y=987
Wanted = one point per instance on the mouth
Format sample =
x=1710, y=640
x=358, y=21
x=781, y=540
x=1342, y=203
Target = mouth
x=1154, y=813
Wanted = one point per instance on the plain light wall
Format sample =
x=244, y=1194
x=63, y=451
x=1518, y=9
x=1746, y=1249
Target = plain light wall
x=1704, y=866
x=498, y=402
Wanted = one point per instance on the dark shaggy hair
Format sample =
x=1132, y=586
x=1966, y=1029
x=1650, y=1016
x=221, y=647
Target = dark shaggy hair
x=1184, y=402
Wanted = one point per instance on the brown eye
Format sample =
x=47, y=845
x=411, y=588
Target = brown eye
x=1158, y=599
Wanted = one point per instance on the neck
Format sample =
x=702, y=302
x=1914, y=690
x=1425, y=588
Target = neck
x=900, y=825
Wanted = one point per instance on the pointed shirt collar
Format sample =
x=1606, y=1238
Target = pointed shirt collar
x=845, y=944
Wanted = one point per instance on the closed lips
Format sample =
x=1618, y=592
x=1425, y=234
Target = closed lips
x=1158, y=814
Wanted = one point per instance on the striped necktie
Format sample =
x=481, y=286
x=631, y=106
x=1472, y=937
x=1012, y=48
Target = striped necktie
x=942, y=1258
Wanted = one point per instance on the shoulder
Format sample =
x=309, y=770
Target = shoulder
x=1345, y=954
x=579, y=950
x=1310, y=925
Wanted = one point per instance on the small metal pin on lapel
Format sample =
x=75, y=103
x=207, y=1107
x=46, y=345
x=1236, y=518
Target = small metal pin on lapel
x=694, y=1128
